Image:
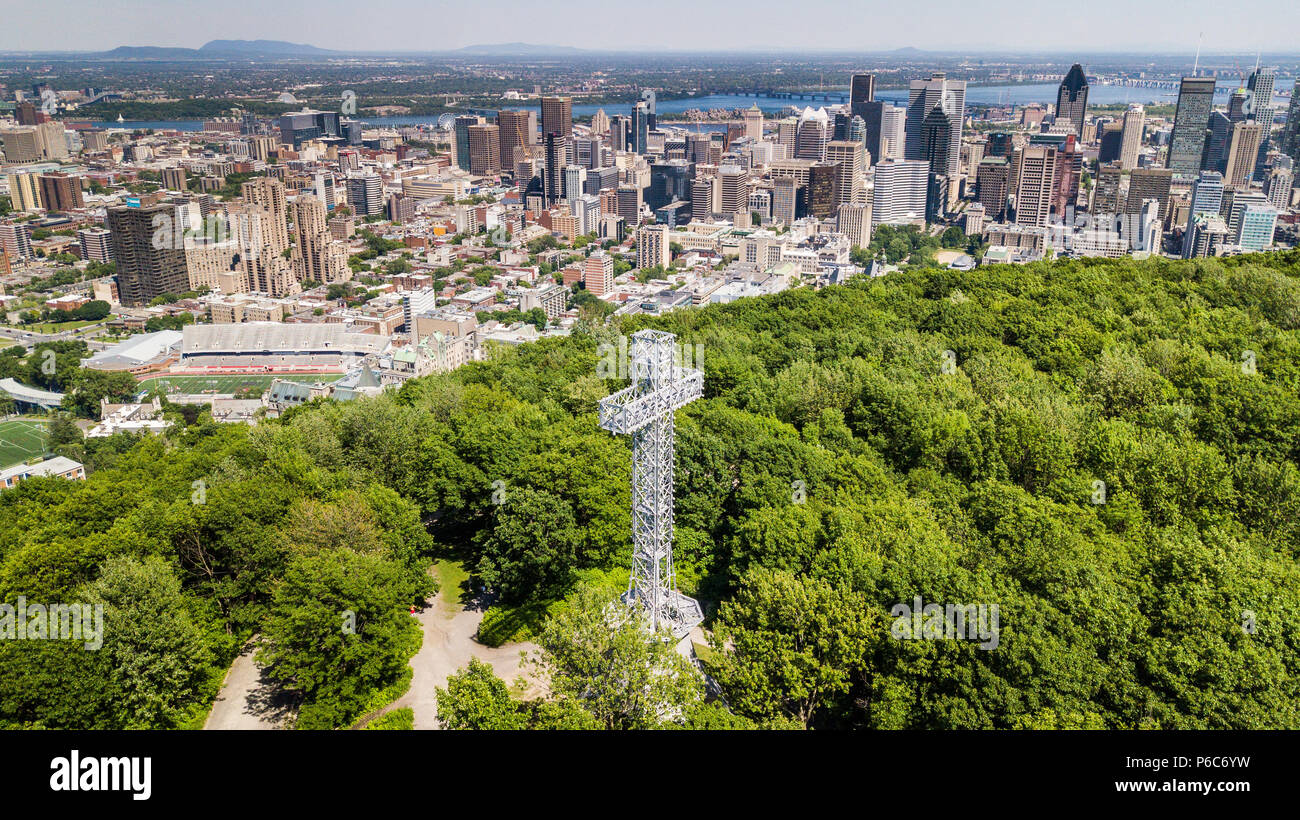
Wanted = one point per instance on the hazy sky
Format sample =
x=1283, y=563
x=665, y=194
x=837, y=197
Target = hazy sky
x=696, y=25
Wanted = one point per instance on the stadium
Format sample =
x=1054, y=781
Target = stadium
x=267, y=347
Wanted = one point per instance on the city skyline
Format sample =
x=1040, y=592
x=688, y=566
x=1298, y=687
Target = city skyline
x=881, y=27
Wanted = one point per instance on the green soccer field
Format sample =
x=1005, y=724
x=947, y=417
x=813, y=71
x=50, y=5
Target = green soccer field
x=21, y=439
x=228, y=384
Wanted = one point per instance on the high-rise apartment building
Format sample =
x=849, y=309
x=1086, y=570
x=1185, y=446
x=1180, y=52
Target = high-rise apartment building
x=366, y=193
x=652, y=248
x=24, y=191
x=96, y=244
x=598, y=273
x=60, y=192
x=146, y=269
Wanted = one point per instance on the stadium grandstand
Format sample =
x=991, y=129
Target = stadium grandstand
x=273, y=347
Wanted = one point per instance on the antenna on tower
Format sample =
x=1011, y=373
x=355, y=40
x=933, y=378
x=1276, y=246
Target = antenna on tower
x=1197, y=64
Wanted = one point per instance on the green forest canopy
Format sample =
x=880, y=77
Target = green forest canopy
x=933, y=433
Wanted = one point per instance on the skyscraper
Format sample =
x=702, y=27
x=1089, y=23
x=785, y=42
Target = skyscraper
x=1106, y=193
x=862, y=90
x=812, y=134
x=556, y=147
x=1243, y=151
x=823, y=178
x=992, y=178
x=923, y=97
x=145, y=269
x=937, y=147
x=900, y=193
x=1149, y=183
x=517, y=136
x=853, y=164
x=754, y=122
x=366, y=193
x=1207, y=200
x=1131, y=136
x=1260, y=86
x=557, y=116
x=1072, y=99
x=484, y=149
x=1037, y=181
x=460, y=128
x=1191, y=118
x=640, y=128
x=1291, y=131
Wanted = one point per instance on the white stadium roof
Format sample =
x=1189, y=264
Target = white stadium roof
x=264, y=337
x=136, y=350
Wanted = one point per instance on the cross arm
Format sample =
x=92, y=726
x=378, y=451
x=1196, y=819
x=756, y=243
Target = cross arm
x=627, y=410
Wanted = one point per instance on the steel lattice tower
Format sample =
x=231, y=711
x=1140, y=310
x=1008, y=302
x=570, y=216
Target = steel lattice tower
x=644, y=410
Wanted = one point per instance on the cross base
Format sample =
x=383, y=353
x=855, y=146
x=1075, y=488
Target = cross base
x=678, y=613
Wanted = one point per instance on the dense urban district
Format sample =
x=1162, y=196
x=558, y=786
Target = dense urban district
x=307, y=366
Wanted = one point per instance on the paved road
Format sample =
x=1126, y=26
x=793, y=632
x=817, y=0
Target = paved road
x=248, y=700
x=448, y=645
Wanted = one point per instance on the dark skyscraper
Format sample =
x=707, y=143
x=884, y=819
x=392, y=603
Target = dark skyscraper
x=640, y=134
x=1191, y=119
x=461, y=128
x=862, y=90
x=1072, y=99
x=557, y=146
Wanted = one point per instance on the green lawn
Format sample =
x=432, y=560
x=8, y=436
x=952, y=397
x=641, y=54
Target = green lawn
x=229, y=384
x=21, y=439
x=58, y=327
x=451, y=577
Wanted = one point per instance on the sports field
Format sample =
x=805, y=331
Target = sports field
x=228, y=384
x=21, y=439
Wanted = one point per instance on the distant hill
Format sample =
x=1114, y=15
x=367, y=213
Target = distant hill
x=218, y=49
x=149, y=53
x=518, y=50
x=277, y=48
